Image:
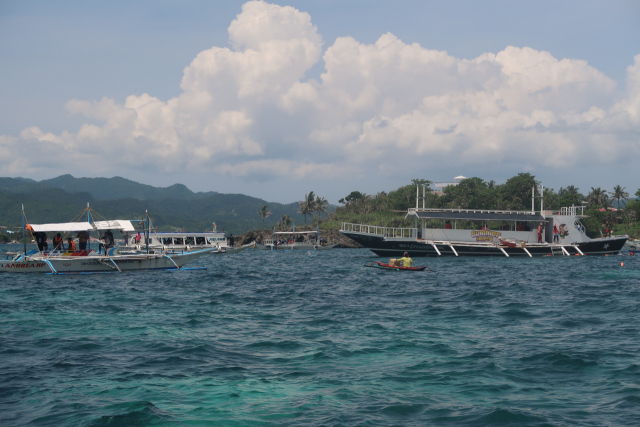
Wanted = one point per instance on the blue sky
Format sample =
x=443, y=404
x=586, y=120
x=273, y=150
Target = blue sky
x=279, y=148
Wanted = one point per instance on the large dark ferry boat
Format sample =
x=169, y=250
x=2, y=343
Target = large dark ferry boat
x=468, y=232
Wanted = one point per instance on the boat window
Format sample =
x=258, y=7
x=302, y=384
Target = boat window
x=189, y=240
x=213, y=240
x=167, y=241
x=144, y=240
x=200, y=241
x=178, y=241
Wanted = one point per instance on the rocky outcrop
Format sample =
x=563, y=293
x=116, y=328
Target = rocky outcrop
x=330, y=236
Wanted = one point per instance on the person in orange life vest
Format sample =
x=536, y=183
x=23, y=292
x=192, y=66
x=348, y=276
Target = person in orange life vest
x=540, y=233
x=58, y=245
x=70, y=244
x=447, y=225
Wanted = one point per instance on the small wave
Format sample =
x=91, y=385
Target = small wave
x=133, y=414
x=518, y=314
x=403, y=409
x=507, y=417
x=278, y=345
x=559, y=360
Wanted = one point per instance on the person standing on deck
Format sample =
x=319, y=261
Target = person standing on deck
x=540, y=233
x=405, y=260
x=83, y=238
x=58, y=244
x=126, y=238
x=41, y=240
x=556, y=234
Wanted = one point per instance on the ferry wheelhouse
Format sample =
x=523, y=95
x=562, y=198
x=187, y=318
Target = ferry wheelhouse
x=470, y=232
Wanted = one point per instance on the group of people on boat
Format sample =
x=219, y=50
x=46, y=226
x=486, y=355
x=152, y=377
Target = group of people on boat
x=82, y=236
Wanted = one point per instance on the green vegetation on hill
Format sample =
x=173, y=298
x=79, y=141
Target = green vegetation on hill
x=235, y=213
x=120, y=188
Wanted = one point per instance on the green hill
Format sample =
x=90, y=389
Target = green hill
x=119, y=188
x=170, y=208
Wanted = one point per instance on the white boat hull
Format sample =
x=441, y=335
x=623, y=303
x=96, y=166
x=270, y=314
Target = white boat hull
x=99, y=263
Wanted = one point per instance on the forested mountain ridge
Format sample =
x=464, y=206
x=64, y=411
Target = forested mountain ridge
x=236, y=213
x=121, y=188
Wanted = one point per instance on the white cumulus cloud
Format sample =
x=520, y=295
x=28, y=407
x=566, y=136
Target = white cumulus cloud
x=249, y=111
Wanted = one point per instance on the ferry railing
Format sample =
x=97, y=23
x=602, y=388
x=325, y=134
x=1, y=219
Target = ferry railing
x=392, y=232
x=476, y=211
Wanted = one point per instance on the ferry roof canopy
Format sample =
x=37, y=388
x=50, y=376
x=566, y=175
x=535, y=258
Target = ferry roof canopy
x=478, y=216
x=295, y=232
x=65, y=226
x=116, y=224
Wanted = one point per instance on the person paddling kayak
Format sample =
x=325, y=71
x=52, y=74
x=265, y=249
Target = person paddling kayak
x=406, y=261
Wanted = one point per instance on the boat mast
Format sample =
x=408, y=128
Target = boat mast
x=89, y=221
x=147, y=230
x=533, y=192
x=24, y=231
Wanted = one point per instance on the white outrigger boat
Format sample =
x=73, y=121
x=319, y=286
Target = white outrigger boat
x=294, y=241
x=111, y=260
x=182, y=241
x=469, y=232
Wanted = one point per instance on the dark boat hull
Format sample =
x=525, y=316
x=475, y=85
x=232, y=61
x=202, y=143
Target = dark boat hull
x=418, y=248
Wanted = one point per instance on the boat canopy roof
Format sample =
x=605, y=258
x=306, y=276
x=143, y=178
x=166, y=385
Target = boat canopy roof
x=65, y=226
x=478, y=215
x=116, y=224
x=295, y=232
x=122, y=225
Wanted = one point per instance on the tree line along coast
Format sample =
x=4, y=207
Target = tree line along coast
x=608, y=211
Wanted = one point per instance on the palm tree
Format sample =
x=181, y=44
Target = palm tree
x=264, y=213
x=320, y=205
x=572, y=190
x=618, y=194
x=285, y=221
x=307, y=206
x=597, y=198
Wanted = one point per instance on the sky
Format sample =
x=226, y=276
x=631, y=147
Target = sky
x=275, y=100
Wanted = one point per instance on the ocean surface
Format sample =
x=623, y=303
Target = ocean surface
x=317, y=339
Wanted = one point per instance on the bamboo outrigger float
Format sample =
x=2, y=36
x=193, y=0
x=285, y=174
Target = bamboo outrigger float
x=105, y=260
x=469, y=232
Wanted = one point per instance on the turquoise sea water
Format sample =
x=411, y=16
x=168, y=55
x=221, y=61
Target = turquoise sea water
x=297, y=338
